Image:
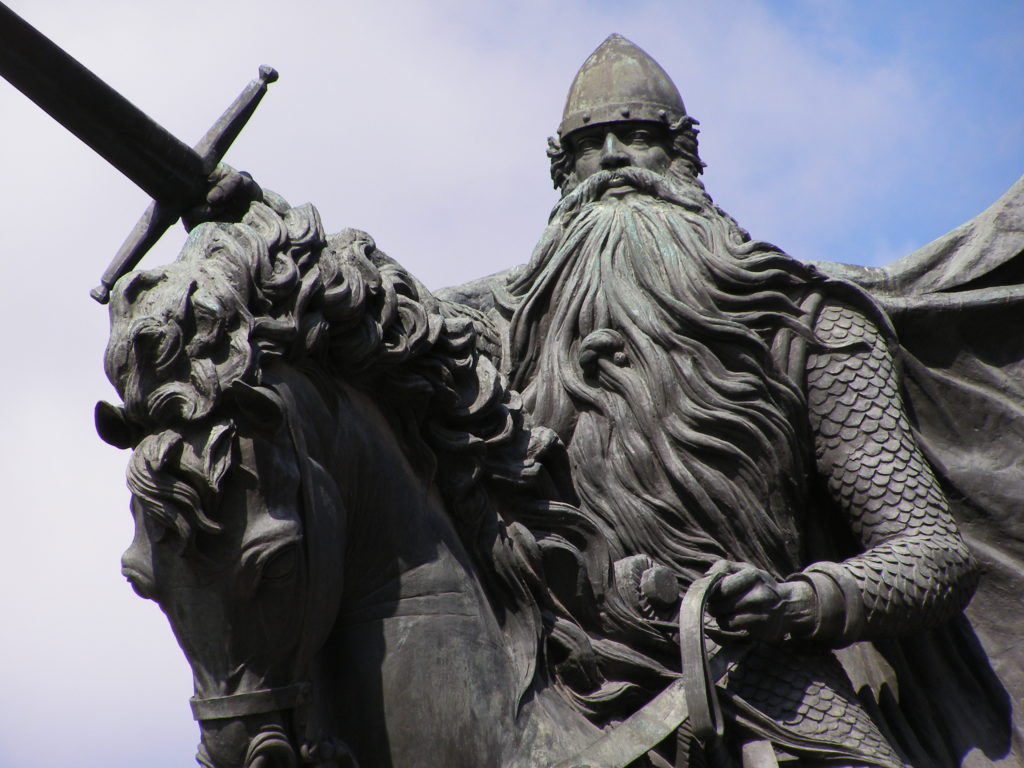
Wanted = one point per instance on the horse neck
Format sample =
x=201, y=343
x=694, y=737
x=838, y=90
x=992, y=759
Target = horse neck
x=401, y=548
x=353, y=450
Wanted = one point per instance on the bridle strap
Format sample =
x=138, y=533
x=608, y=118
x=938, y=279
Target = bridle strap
x=250, y=703
x=264, y=700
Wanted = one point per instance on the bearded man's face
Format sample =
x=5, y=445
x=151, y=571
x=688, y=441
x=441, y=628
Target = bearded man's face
x=641, y=334
x=611, y=146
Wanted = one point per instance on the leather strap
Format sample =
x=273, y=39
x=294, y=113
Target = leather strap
x=701, y=699
x=636, y=735
x=691, y=697
x=249, y=703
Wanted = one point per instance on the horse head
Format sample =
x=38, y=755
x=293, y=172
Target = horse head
x=224, y=557
x=315, y=444
x=227, y=557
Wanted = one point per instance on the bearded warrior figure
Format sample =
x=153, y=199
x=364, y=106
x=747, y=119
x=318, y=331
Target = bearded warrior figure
x=731, y=501
x=726, y=409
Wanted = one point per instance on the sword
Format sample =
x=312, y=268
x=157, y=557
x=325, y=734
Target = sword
x=172, y=173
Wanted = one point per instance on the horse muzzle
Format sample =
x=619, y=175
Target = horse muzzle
x=228, y=721
x=245, y=729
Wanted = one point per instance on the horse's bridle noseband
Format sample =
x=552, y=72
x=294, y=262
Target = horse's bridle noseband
x=258, y=702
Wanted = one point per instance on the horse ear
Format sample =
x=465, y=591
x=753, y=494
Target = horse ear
x=112, y=425
x=260, y=407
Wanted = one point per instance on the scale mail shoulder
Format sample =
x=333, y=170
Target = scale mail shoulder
x=915, y=570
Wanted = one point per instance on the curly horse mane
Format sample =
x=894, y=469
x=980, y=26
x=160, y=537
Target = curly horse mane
x=273, y=288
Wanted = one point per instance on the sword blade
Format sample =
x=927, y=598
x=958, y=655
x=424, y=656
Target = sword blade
x=170, y=171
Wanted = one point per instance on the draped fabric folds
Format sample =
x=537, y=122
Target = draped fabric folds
x=957, y=305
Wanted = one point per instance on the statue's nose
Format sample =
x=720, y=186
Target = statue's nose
x=613, y=152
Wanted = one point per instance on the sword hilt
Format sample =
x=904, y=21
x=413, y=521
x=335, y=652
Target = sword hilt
x=159, y=217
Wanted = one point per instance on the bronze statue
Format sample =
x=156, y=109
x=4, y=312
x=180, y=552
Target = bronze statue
x=663, y=496
x=725, y=407
x=693, y=402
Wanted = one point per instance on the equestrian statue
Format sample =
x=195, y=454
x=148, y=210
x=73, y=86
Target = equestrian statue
x=662, y=496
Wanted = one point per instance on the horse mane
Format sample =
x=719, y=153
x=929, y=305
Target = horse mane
x=274, y=288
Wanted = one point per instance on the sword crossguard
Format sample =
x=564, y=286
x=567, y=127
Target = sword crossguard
x=175, y=175
x=160, y=216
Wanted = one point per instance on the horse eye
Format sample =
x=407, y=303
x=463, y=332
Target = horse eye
x=156, y=531
x=280, y=565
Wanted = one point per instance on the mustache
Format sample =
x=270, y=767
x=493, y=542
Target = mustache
x=643, y=180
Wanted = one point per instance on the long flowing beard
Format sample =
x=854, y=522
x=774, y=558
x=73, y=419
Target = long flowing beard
x=641, y=335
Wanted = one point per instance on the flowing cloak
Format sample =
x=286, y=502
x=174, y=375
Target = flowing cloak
x=957, y=306
x=953, y=696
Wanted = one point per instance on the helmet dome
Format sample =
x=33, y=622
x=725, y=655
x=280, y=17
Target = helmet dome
x=620, y=82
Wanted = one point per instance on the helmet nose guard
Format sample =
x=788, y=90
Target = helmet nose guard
x=620, y=82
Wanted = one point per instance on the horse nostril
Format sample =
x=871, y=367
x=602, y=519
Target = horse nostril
x=271, y=748
x=143, y=587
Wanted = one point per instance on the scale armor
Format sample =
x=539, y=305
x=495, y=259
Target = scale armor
x=916, y=570
x=806, y=692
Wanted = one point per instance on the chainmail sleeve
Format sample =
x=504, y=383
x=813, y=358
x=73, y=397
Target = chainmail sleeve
x=915, y=570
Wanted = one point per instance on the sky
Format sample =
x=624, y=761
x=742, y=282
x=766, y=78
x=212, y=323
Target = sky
x=840, y=131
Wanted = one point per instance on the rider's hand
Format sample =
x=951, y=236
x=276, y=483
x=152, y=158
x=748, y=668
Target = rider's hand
x=227, y=199
x=751, y=600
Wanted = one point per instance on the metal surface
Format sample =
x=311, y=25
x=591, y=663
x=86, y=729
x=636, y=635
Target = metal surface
x=167, y=169
x=620, y=82
x=172, y=173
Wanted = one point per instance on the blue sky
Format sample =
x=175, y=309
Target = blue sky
x=845, y=131
x=965, y=61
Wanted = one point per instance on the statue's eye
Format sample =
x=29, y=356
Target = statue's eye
x=280, y=565
x=639, y=138
x=588, y=144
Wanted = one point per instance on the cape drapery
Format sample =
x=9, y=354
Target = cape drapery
x=957, y=305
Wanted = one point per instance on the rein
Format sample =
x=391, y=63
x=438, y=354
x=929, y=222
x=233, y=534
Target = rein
x=695, y=698
x=691, y=697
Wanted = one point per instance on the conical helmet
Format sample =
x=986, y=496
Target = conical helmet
x=617, y=82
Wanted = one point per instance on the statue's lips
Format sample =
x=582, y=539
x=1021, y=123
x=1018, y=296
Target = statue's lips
x=617, y=186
